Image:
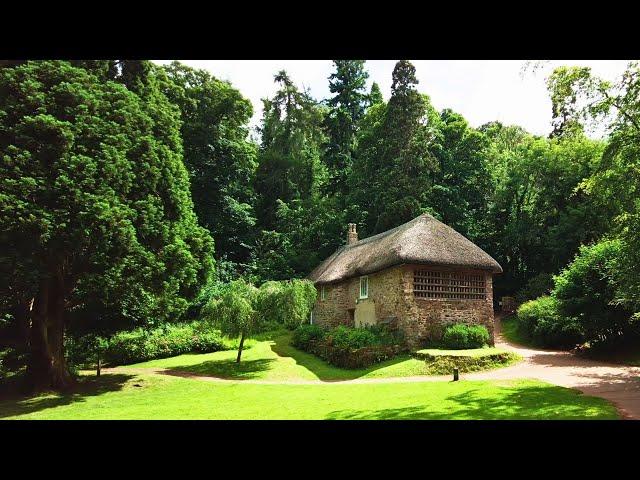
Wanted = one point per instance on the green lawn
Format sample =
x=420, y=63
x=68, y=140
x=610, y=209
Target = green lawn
x=157, y=396
x=273, y=358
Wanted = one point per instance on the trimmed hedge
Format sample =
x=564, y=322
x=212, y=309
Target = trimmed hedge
x=461, y=336
x=353, y=358
x=140, y=345
x=444, y=364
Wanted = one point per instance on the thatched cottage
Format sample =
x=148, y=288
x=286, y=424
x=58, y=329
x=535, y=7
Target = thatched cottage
x=420, y=277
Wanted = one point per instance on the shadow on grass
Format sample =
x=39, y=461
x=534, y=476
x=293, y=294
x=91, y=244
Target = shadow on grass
x=323, y=370
x=16, y=404
x=520, y=403
x=226, y=368
x=280, y=344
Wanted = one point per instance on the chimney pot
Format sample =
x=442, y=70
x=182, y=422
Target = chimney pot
x=352, y=234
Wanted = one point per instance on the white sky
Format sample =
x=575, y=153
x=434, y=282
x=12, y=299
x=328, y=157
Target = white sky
x=480, y=90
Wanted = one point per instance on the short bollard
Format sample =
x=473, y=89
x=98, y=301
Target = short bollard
x=98, y=369
x=455, y=375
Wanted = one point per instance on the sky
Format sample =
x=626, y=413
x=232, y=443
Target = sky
x=480, y=90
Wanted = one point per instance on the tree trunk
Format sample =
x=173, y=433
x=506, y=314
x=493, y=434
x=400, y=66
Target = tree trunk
x=22, y=315
x=240, y=348
x=47, y=366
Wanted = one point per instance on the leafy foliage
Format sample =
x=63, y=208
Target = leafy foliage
x=287, y=303
x=95, y=201
x=141, y=344
x=461, y=336
x=305, y=334
x=539, y=321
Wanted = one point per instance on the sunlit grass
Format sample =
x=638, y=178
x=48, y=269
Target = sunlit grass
x=157, y=396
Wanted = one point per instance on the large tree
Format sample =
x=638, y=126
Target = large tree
x=220, y=160
x=95, y=201
x=393, y=170
x=289, y=165
x=346, y=108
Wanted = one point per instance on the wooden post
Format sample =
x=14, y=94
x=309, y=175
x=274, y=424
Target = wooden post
x=455, y=375
x=98, y=368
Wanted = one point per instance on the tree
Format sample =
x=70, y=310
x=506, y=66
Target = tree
x=95, y=202
x=394, y=166
x=220, y=160
x=614, y=185
x=234, y=311
x=289, y=165
x=461, y=182
x=346, y=108
x=375, y=95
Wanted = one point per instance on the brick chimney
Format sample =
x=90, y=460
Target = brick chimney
x=352, y=235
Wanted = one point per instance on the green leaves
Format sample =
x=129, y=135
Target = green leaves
x=92, y=178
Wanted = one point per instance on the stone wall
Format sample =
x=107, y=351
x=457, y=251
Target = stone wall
x=391, y=292
x=424, y=319
x=342, y=299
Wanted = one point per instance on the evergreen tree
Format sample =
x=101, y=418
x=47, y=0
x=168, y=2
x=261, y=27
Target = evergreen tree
x=346, y=108
x=375, y=95
x=395, y=158
x=95, y=203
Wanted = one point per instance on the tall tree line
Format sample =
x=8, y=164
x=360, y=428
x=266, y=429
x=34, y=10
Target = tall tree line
x=128, y=188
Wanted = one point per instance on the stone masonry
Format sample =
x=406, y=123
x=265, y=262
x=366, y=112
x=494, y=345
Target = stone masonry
x=391, y=292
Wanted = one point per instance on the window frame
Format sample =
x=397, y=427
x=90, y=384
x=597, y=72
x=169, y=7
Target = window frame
x=323, y=293
x=364, y=278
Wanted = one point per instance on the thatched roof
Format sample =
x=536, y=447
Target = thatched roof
x=423, y=240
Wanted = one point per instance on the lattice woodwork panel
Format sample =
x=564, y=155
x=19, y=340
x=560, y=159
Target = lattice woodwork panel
x=448, y=285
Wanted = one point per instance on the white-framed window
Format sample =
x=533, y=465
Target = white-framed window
x=364, y=287
x=323, y=293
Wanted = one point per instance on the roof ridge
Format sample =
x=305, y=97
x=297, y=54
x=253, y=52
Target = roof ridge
x=422, y=240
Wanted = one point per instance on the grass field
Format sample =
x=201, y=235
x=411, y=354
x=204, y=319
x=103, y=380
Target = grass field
x=273, y=358
x=140, y=392
x=156, y=396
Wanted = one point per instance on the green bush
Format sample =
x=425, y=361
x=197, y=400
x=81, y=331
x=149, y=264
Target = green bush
x=461, y=336
x=140, y=345
x=305, y=334
x=587, y=293
x=346, y=338
x=348, y=347
x=540, y=321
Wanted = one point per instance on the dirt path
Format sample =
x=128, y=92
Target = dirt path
x=616, y=383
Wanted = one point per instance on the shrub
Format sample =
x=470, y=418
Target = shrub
x=345, y=338
x=586, y=292
x=461, y=336
x=347, y=347
x=305, y=334
x=140, y=345
x=540, y=321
